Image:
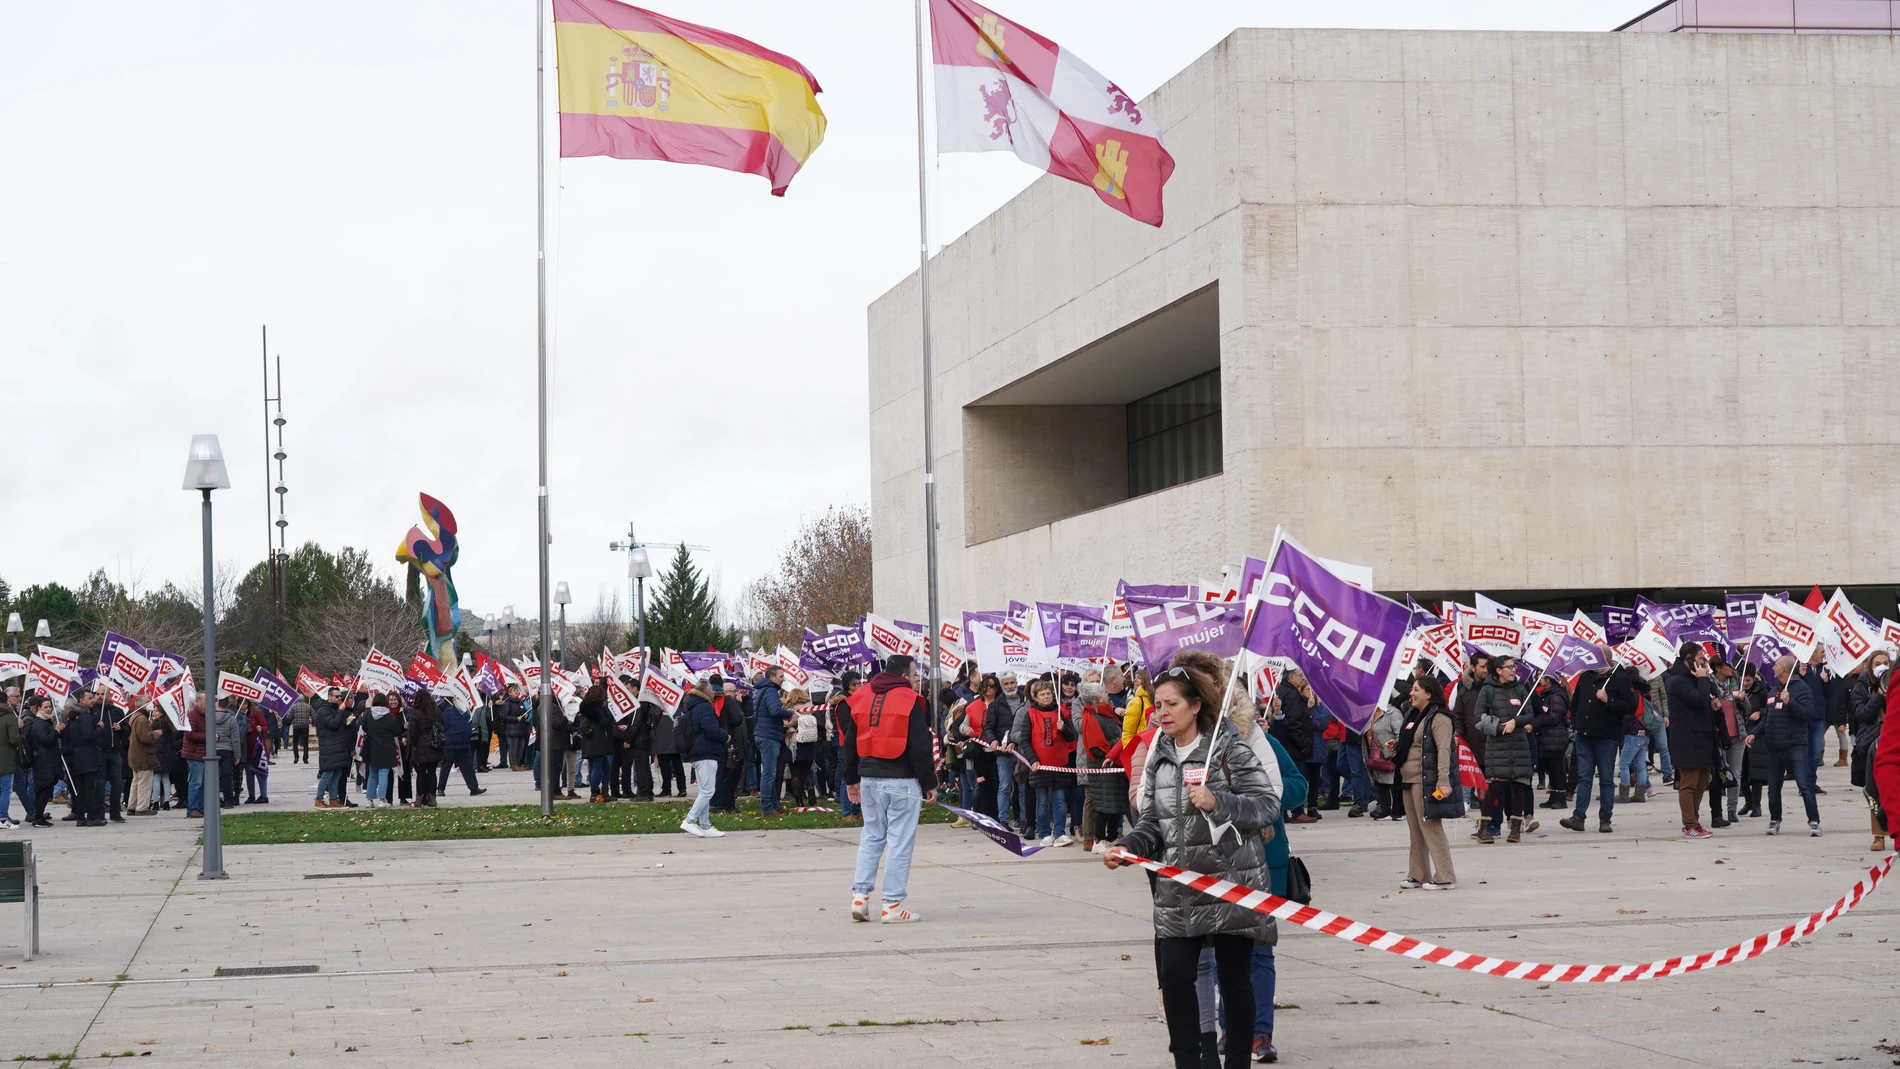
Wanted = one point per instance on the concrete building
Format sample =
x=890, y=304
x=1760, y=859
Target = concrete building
x=1556, y=316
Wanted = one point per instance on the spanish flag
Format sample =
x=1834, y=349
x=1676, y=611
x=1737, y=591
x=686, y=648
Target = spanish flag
x=641, y=86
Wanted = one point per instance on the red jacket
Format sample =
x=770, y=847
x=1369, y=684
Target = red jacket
x=194, y=748
x=1886, y=771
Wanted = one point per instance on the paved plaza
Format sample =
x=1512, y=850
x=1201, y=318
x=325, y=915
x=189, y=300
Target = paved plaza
x=678, y=952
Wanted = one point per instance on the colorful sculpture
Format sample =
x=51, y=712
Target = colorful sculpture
x=433, y=552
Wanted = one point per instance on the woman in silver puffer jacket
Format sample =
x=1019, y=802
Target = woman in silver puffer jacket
x=1203, y=812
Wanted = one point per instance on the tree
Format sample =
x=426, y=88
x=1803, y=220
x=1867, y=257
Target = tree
x=58, y=606
x=683, y=614
x=823, y=577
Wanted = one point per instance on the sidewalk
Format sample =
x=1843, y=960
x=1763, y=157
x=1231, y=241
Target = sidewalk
x=674, y=951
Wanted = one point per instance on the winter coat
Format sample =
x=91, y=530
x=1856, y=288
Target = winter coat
x=1108, y=792
x=1384, y=729
x=300, y=714
x=769, y=713
x=1867, y=703
x=1293, y=788
x=1695, y=730
x=999, y=720
x=1135, y=714
x=597, y=737
x=1432, y=757
x=514, y=718
x=1173, y=832
x=1464, y=715
x=336, y=735
x=84, y=741
x=709, y=734
x=1593, y=718
x=1550, y=715
x=381, y=729
x=231, y=727
x=666, y=732
x=141, y=752
x=9, y=738
x=420, y=733
x=1784, y=724
x=43, y=739
x=458, y=727
x=1293, y=724
x=1512, y=756
x=193, y=746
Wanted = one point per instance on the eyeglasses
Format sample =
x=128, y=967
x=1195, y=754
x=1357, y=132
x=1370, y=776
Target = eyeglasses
x=1176, y=672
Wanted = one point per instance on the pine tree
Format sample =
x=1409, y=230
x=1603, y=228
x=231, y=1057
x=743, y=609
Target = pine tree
x=682, y=614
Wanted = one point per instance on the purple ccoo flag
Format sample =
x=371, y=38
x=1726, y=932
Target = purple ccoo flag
x=1619, y=623
x=277, y=694
x=1164, y=627
x=114, y=641
x=1346, y=640
x=1575, y=655
x=995, y=829
x=1076, y=630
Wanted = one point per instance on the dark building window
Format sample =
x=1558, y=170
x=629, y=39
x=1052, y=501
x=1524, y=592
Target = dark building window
x=1174, y=435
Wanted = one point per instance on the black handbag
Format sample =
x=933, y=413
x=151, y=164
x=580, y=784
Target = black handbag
x=1299, y=882
x=1724, y=775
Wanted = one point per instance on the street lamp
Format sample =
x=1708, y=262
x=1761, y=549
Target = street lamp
x=42, y=631
x=562, y=599
x=204, y=472
x=14, y=627
x=508, y=624
x=639, y=569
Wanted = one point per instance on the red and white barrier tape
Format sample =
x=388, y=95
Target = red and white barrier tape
x=1036, y=767
x=811, y=809
x=1392, y=942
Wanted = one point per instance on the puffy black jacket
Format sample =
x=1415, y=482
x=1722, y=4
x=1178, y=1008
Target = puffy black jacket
x=336, y=734
x=514, y=718
x=597, y=737
x=41, y=740
x=1784, y=723
x=1550, y=715
x=1293, y=724
x=1695, y=725
x=1506, y=756
x=379, y=738
x=420, y=734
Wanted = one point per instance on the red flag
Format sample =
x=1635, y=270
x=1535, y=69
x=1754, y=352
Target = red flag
x=308, y=682
x=1468, y=771
x=1814, y=600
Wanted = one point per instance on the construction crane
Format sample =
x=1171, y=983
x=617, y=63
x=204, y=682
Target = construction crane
x=638, y=569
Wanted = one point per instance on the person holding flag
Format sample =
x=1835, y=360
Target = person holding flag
x=1203, y=800
x=1783, y=732
x=1428, y=766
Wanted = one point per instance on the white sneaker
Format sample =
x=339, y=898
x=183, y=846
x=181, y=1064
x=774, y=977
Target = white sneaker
x=692, y=829
x=1047, y=840
x=1409, y=884
x=1440, y=886
x=1814, y=829
x=711, y=832
x=895, y=913
x=9, y=823
x=1101, y=846
x=860, y=907
x=1066, y=841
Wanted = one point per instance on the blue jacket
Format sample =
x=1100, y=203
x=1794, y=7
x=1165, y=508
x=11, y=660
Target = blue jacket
x=770, y=713
x=709, y=735
x=1784, y=726
x=457, y=727
x=1293, y=788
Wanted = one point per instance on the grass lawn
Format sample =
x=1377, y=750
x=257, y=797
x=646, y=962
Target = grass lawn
x=507, y=822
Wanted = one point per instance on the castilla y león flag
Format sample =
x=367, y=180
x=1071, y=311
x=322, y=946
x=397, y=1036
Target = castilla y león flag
x=1003, y=87
x=640, y=86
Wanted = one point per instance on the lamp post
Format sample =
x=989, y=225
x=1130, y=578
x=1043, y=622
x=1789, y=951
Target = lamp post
x=14, y=627
x=204, y=472
x=41, y=630
x=639, y=569
x=562, y=599
x=508, y=624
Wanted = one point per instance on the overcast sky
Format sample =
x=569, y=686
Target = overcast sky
x=360, y=176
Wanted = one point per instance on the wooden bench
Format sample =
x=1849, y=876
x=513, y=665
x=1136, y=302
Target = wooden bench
x=20, y=883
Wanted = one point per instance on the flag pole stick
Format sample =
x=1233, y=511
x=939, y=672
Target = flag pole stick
x=929, y=389
x=545, y=704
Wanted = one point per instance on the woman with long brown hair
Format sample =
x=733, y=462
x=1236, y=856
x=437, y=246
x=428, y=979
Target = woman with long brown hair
x=1203, y=801
x=1428, y=767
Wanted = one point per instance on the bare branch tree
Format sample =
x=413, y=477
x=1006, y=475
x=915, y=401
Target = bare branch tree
x=823, y=577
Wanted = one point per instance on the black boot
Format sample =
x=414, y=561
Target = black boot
x=1210, y=1050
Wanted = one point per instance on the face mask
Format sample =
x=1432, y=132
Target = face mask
x=1879, y=670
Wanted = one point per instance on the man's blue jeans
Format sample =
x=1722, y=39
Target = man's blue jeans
x=6, y=795
x=1264, y=979
x=966, y=787
x=1052, y=807
x=768, y=773
x=1817, y=745
x=1795, y=761
x=1661, y=739
x=330, y=785
x=846, y=807
x=195, y=787
x=1596, y=759
x=1352, y=764
x=891, y=808
x=1633, y=764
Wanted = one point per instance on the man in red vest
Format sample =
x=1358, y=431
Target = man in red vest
x=888, y=770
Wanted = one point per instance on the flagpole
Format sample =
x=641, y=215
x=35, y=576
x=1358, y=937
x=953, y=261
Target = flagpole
x=546, y=702
x=929, y=389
